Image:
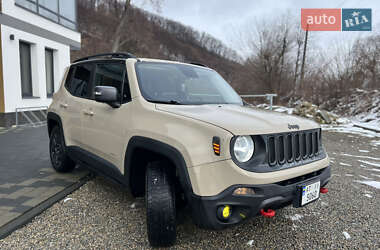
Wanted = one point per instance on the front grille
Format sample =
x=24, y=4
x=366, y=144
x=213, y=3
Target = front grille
x=293, y=147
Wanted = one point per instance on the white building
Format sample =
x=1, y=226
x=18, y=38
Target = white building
x=36, y=38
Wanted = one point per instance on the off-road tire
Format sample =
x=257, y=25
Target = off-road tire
x=160, y=205
x=58, y=153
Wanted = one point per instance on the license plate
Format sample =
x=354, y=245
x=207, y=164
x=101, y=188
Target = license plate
x=310, y=193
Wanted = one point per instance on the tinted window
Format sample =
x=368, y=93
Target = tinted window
x=69, y=76
x=79, y=84
x=111, y=74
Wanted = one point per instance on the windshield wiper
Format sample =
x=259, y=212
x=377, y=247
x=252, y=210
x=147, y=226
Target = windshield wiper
x=166, y=102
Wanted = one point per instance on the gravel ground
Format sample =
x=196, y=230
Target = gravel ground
x=103, y=215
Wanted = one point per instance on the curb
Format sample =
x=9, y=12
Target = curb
x=26, y=217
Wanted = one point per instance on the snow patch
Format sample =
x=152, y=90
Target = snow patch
x=295, y=217
x=363, y=151
x=325, y=204
x=344, y=164
x=347, y=235
x=375, y=184
x=361, y=156
x=370, y=163
x=67, y=199
x=349, y=175
x=374, y=169
x=250, y=243
x=368, y=195
x=351, y=129
x=365, y=177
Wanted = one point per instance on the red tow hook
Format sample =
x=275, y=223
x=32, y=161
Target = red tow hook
x=268, y=214
x=323, y=190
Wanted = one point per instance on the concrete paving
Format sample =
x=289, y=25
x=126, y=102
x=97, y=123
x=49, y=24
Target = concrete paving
x=27, y=179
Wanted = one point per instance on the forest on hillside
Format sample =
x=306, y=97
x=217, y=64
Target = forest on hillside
x=273, y=62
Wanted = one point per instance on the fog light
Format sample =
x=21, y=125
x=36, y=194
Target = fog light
x=224, y=212
x=244, y=191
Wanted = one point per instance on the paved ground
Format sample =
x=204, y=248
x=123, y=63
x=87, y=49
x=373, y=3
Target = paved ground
x=26, y=176
x=103, y=215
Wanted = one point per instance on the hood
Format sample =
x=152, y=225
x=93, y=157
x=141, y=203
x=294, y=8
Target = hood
x=241, y=120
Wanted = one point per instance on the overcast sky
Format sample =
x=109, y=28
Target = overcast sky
x=221, y=18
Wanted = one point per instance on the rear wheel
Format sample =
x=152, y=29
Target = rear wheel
x=160, y=205
x=58, y=155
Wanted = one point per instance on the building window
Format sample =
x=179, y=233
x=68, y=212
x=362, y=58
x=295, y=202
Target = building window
x=49, y=67
x=63, y=12
x=68, y=11
x=26, y=70
x=29, y=4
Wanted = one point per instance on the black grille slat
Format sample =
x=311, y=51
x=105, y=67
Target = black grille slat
x=303, y=145
x=289, y=148
x=316, y=143
x=297, y=152
x=271, y=151
x=309, y=145
x=281, y=149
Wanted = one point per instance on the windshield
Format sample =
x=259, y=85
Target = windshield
x=183, y=84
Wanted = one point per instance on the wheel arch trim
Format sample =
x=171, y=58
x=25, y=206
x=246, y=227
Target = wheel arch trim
x=55, y=117
x=161, y=148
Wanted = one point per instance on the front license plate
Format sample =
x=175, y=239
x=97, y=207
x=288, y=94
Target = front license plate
x=310, y=193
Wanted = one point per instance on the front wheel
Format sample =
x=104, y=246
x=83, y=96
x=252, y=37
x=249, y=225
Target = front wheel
x=58, y=155
x=160, y=205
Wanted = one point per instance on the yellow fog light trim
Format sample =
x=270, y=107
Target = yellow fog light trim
x=226, y=212
x=244, y=191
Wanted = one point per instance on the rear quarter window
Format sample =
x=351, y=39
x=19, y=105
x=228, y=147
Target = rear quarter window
x=78, y=80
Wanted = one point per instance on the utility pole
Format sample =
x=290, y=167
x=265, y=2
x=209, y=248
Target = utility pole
x=304, y=56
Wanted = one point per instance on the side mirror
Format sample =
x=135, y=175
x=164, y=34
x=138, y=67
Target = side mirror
x=107, y=94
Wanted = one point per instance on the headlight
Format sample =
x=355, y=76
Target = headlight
x=243, y=148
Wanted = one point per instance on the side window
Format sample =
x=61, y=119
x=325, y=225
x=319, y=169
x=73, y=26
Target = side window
x=69, y=78
x=111, y=74
x=79, y=84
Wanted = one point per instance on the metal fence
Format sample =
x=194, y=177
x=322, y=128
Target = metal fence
x=33, y=116
x=269, y=97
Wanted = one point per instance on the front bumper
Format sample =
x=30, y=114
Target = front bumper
x=272, y=196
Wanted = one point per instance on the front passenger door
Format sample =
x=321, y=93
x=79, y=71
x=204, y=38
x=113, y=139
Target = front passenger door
x=104, y=127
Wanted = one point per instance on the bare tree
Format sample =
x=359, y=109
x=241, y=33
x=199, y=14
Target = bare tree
x=269, y=45
x=117, y=40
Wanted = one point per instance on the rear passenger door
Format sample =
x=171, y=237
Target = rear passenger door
x=71, y=105
x=104, y=127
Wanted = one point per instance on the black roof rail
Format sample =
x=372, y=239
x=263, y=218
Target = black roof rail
x=199, y=64
x=123, y=55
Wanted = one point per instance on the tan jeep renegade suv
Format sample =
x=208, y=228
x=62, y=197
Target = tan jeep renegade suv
x=179, y=134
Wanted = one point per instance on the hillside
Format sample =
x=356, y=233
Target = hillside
x=148, y=35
